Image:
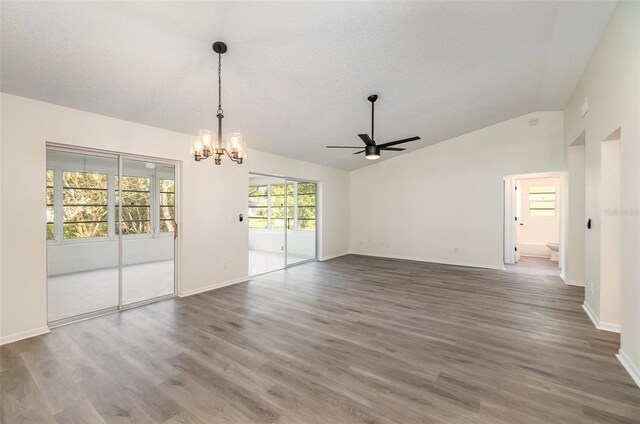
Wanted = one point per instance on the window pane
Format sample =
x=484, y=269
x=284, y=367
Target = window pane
x=258, y=212
x=167, y=212
x=542, y=196
x=542, y=189
x=134, y=227
x=84, y=213
x=166, y=226
x=84, y=179
x=71, y=197
x=258, y=222
x=307, y=200
x=135, y=198
x=306, y=188
x=50, y=231
x=167, y=199
x=309, y=225
x=258, y=190
x=95, y=229
x=542, y=205
x=307, y=212
x=277, y=224
x=167, y=186
x=49, y=177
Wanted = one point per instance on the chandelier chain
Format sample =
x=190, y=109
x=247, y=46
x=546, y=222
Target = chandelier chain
x=220, y=84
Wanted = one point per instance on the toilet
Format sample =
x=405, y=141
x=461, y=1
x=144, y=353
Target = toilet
x=554, y=250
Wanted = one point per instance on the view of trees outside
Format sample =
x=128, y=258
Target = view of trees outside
x=136, y=205
x=85, y=205
x=259, y=206
x=167, y=205
x=307, y=206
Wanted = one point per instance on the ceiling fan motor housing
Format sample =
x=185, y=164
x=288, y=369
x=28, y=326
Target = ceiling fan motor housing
x=372, y=150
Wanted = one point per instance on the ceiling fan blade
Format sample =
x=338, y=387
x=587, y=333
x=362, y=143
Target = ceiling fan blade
x=404, y=140
x=344, y=147
x=393, y=149
x=367, y=140
x=357, y=153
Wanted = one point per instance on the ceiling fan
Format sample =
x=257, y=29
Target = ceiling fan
x=372, y=150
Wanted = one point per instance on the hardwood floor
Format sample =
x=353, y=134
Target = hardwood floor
x=354, y=339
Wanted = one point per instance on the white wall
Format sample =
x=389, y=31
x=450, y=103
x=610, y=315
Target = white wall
x=573, y=269
x=611, y=82
x=537, y=231
x=444, y=203
x=212, y=197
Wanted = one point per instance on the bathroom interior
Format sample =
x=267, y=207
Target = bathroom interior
x=538, y=228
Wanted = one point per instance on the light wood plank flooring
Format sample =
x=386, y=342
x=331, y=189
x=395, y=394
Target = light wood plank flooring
x=354, y=339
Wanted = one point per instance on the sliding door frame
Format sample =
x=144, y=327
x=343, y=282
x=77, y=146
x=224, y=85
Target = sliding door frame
x=120, y=157
x=316, y=230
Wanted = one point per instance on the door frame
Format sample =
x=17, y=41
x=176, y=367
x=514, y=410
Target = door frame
x=120, y=156
x=510, y=229
x=316, y=231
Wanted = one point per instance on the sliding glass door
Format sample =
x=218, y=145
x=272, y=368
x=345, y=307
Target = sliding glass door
x=267, y=219
x=301, y=231
x=104, y=254
x=147, y=217
x=282, y=222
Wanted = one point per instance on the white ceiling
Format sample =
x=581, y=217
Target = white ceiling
x=297, y=74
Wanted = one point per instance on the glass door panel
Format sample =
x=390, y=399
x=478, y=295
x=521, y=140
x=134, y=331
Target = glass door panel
x=146, y=223
x=268, y=217
x=301, y=231
x=82, y=247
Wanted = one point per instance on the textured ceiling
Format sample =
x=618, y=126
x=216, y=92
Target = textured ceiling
x=297, y=74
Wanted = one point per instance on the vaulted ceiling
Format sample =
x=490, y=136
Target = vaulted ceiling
x=297, y=74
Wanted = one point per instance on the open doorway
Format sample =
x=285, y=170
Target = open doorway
x=282, y=222
x=532, y=223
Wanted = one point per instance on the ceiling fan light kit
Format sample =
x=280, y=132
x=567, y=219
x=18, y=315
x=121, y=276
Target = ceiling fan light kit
x=207, y=143
x=372, y=150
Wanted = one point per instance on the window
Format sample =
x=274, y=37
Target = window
x=277, y=206
x=306, y=206
x=542, y=201
x=84, y=204
x=50, y=210
x=136, y=205
x=167, y=205
x=267, y=206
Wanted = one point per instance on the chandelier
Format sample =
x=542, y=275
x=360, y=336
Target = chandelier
x=207, y=143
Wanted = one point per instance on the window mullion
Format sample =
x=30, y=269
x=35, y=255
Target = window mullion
x=111, y=202
x=269, y=206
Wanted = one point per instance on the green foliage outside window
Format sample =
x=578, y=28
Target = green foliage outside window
x=136, y=205
x=260, y=211
x=50, y=212
x=167, y=205
x=84, y=204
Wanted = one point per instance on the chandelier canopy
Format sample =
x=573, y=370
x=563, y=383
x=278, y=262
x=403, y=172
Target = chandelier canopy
x=207, y=143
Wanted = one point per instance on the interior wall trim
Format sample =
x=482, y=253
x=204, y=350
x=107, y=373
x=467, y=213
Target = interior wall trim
x=333, y=256
x=214, y=286
x=628, y=365
x=600, y=325
x=430, y=260
x=24, y=335
x=571, y=282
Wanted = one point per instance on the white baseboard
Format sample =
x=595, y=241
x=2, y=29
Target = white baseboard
x=628, y=365
x=214, y=286
x=433, y=261
x=600, y=325
x=23, y=335
x=337, y=255
x=571, y=282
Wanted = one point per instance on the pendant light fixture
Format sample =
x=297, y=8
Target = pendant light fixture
x=207, y=143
